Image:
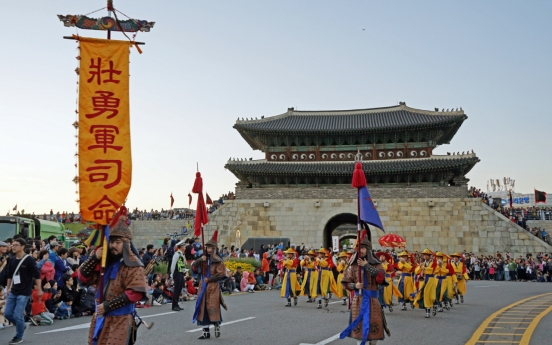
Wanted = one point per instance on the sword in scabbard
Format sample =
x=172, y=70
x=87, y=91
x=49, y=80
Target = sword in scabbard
x=141, y=321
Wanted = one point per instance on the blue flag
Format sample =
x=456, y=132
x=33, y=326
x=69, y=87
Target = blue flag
x=368, y=212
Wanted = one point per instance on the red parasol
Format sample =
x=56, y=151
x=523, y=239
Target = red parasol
x=392, y=240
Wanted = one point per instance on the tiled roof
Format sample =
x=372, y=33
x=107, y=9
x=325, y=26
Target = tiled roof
x=375, y=167
x=362, y=120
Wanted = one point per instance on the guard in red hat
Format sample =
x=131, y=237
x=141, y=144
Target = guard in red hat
x=212, y=270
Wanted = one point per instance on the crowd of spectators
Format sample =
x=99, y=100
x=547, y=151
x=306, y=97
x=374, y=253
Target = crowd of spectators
x=518, y=215
x=136, y=214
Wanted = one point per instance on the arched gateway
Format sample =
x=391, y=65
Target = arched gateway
x=302, y=188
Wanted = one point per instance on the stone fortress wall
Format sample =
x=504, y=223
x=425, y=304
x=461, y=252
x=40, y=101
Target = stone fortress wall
x=439, y=218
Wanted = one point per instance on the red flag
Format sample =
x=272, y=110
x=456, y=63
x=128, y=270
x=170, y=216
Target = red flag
x=172, y=200
x=540, y=196
x=201, y=211
x=209, y=201
x=189, y=199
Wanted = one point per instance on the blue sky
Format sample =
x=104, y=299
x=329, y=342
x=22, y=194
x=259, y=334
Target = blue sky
x=207, y=63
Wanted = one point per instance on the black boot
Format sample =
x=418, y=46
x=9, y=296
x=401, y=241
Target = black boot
x=325, y=302
x=461, y=298
x=427, y=313
x=295, y=300
x=344, y=301
x=206, y=334
x=434, y=311
x=403, y=306
x=319, y=305
x=217, y=331
x=289, y=302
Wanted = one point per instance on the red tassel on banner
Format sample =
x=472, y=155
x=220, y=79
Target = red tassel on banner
x=198, y=184
x=359, y=180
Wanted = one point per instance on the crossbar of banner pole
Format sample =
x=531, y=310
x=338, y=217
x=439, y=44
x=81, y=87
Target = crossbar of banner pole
x=72, y=38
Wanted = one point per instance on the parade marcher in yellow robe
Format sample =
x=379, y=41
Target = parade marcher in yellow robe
x=406, y=284
x=425, y=297
x=366, y=320
x=310, y=276
x=441, y=271
x=326, y=281
x=451, y=280
x=290, y=286
x=461, y=276
x=386, y=292
x=341, y=292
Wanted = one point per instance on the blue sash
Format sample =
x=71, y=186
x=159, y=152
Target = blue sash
x=364, y=315
x=110, y=273
x=401, y=286
x=203, y=287
x=288, y=283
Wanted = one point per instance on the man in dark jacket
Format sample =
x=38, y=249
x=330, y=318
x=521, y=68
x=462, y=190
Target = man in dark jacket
x=238, y=276
x=148, y=255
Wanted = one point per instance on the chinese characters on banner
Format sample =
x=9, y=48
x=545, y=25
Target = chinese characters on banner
x=105, y=164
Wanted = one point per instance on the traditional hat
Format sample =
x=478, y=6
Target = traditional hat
x=427, y=251
x=323, y=251
x=385, y=255
x=366, y=243
x=289, y=251
x=455, y=254
x=439, y=254
x=343, y=254
x=403, y=254
x=119, y=226
x=213, y=242
x=311, y=252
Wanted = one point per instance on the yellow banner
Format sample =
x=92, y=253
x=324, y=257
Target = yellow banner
x=105, y=163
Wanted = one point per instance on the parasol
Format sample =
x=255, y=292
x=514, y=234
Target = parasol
x=392, y=240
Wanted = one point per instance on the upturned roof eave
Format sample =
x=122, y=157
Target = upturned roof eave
x=464, y=163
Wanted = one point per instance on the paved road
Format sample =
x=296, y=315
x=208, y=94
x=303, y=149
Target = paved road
x=261, y=317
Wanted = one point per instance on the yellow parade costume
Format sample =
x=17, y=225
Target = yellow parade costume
x=326, y=281
x=425, y=297
x=290, y=285
x=451, y=280
x=461, y=277
x=310, y=276
x=441, y=272
x=390, y=289
x=341, y=292
x=406, y=283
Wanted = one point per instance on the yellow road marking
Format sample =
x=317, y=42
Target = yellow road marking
x=529, y=332
x=514, y=334
x=479, y=331
x=512, y=322
x=497, y=341
x=507, y=328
